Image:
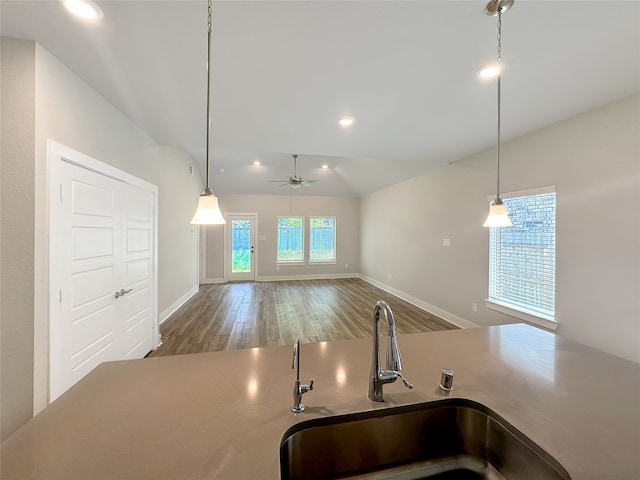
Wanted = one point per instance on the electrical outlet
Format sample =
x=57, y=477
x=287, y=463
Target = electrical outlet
x=389, y=276
x=346, y=265
x=474, y=307
x=446, y=242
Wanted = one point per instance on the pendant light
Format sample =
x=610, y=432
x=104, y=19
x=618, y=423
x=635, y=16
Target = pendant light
x=208, y=212
x=498, y=216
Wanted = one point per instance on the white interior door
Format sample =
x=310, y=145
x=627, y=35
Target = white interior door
x=83, y=333
x=103, y=303
x=241, y=247
x=136, y=298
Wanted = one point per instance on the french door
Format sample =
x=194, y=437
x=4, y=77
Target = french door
x=241, y=247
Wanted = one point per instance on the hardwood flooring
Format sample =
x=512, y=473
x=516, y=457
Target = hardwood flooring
x=233, y=316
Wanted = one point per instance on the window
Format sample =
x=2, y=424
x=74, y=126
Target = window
x=322, y=239
x=522, y=259
x=290, y=240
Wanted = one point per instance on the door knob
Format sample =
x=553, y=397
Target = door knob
x=123, y=292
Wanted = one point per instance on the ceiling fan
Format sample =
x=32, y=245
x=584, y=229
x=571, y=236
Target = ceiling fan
x=295, y=181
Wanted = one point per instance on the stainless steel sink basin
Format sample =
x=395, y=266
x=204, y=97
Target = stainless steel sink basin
x=446, y=439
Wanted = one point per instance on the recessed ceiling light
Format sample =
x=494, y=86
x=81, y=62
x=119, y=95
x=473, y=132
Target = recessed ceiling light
x=489, y=71
x=83, y=9
x=257, y=162
x=325, y=166
x=346, y=121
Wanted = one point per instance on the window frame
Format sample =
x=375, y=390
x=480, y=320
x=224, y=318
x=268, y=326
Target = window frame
x=511, y=309
x=330, y=261
x=280, y=261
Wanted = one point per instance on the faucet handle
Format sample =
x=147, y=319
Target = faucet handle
x=406, y=382
x=306, y=388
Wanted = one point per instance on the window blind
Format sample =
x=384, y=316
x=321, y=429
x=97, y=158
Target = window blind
x=522, y=258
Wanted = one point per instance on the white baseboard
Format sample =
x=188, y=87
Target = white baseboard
x=211, y=281
x=324, y=276
x=177, y=304
x=449, y=317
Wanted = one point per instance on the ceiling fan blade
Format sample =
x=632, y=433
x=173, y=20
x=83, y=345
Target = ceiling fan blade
x=278, y=181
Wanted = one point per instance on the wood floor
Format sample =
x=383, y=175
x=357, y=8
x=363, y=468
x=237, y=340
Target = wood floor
x=233, y=316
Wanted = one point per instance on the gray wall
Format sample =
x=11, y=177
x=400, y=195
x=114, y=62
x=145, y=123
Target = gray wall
x=17, y=183
x=593, y=159
x=268, y=207
x=45, y=100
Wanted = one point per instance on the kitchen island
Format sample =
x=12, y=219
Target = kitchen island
x=222, y=415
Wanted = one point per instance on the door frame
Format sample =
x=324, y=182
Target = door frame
x=227, y=247
x=56, y=154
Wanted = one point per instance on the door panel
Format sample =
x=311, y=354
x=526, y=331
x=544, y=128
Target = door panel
x=91, y=199
x=92, y=356
x=241, y=247
x=90, y=334
x=91, y=242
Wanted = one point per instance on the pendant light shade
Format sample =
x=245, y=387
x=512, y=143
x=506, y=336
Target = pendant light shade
x=498, y=216
x=208, y=212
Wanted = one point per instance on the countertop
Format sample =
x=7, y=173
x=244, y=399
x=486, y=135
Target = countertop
x=222, y=415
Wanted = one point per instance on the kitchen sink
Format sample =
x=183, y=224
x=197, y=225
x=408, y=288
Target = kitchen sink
x=445, y=439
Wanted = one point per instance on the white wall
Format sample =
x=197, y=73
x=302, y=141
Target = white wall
x=593, y=159
x=268, y=207
x=48, y=101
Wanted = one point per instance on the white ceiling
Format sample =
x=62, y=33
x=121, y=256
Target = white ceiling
x=283, y=72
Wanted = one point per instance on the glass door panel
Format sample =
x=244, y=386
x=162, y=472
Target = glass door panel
x=241, y=247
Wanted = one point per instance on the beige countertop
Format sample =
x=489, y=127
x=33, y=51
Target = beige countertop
x=222, y=415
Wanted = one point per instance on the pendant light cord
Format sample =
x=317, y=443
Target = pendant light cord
x=208, y=189
x=499, y=77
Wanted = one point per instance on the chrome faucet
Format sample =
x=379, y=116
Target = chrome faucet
x=379, y=376
x=298, y=389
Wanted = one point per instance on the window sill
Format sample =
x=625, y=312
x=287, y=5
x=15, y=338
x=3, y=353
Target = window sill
x=284, y=264
x=322, y=262
x=547, y=323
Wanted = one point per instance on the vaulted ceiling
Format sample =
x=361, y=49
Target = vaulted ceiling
x=284, y=72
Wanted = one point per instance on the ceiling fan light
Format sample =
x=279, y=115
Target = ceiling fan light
x=208, y=212
x=498, y=216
